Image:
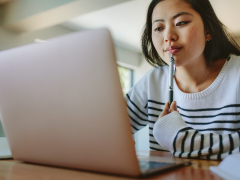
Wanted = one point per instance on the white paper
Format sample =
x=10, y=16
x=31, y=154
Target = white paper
x=5, y=151
x=229, y=168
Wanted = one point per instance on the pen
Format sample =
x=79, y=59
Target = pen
x=171, y=76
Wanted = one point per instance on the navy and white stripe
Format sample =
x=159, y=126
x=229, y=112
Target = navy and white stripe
x=140, y=119
x=215, y=121
x=204, y=146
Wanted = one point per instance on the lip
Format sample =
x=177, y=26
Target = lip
x=173, y=49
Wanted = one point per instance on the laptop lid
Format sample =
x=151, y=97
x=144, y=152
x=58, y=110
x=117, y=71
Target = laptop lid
x=61, y=103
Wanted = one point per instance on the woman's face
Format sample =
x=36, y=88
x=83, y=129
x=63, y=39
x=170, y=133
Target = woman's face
x=179, y=30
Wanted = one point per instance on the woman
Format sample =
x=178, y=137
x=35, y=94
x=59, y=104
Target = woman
x=204, y=119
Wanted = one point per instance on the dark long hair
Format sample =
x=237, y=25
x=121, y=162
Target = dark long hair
x=221, y=45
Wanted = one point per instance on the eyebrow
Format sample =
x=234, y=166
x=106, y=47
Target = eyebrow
x=175, y=16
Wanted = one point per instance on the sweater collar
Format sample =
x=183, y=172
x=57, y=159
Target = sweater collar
x=209, y=89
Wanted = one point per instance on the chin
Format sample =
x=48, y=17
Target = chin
x=178, y=63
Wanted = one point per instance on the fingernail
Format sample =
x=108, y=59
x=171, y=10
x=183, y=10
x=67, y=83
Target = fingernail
x=174, y=103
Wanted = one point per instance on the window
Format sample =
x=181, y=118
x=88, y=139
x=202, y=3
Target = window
x=126, y=78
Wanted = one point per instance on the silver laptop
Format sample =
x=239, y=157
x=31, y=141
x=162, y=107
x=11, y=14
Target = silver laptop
x=61, y=104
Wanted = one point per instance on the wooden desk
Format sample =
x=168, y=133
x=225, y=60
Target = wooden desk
x=16, y=170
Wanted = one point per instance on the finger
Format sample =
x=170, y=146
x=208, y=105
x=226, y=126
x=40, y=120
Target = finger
x=165, y=110
x=173, y=106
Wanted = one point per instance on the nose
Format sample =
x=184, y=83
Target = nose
x=170, y=36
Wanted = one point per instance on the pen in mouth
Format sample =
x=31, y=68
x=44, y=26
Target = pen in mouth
x=171, y=76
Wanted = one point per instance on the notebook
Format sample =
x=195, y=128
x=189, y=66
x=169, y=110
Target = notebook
x=61, y=104
x=229, y=168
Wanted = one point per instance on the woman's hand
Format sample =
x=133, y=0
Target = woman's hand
x=166, y=109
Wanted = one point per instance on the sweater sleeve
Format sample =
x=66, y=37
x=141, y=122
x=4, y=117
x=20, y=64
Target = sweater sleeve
x=172, y=133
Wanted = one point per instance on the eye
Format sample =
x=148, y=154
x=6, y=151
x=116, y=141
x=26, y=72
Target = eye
x=182, y=23
x=158, y=29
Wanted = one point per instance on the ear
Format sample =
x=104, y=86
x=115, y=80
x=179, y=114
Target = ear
x=208, y=36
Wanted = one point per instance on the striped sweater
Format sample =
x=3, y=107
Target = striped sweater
x=207, y=125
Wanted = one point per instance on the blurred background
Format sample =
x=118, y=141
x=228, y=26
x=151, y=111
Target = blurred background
x=35, y=21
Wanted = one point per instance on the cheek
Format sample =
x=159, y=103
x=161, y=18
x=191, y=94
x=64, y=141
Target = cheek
x=158, y=43
x=195, y=38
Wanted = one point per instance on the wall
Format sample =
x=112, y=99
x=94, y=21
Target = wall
x=33, y=15
x=11, y=39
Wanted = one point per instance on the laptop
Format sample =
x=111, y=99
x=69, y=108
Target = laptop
x=61, y=104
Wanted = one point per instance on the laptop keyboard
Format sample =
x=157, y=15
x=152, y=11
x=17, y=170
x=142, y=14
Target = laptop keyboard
x=146, y=165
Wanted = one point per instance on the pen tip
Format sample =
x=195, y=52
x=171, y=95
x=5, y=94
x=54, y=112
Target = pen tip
x=171, y=55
